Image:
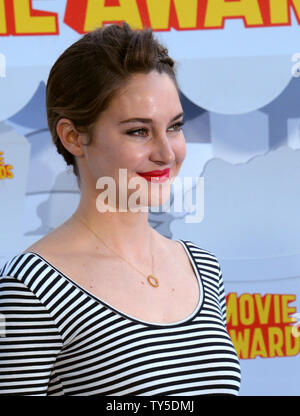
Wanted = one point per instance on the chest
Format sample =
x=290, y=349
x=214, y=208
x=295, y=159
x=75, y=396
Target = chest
x=127, y=290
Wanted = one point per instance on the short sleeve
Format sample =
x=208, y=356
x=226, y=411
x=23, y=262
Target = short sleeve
x=29, y=341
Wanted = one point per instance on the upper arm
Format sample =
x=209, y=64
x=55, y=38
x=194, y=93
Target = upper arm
x=29, y=340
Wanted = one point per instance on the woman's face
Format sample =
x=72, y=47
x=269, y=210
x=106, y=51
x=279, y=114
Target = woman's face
x=140, y=131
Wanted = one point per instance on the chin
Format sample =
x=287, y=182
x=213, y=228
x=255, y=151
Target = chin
x=159, y=195
x=153, y=195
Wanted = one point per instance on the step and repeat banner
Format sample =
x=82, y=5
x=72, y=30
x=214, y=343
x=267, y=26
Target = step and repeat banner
x=238, y=66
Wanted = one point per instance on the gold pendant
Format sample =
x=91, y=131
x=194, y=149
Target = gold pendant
x=152, y=280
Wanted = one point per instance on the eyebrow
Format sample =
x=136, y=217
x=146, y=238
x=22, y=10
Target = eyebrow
x=148, y=120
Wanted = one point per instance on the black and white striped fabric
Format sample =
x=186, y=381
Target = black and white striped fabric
x=59, y=339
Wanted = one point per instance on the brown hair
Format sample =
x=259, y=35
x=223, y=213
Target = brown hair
x=85, y=77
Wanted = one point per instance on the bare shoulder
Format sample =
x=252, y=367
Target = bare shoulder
x=53, y=242
x=173, y=248
x=173, y=245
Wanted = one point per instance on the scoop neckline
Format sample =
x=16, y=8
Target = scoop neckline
x=189, y=318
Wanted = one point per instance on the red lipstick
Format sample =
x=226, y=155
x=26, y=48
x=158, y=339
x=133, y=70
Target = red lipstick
x=156, y=175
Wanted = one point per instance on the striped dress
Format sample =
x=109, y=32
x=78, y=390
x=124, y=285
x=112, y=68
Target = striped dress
x=56, y=338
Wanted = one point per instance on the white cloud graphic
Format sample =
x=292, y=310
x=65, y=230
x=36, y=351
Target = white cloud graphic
x=234, y=85
x=18, y=87
x=251, y=219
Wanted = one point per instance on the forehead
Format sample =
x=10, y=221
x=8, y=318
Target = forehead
x=152, y=95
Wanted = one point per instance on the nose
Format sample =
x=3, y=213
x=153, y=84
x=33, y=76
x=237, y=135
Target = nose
x=162, y=151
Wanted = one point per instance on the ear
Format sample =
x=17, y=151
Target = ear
x=70, y=137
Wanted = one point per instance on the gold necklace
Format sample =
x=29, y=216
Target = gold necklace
x=151, y=279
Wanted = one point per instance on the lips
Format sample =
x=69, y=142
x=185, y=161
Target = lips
x=156, y=175
x=155, y=172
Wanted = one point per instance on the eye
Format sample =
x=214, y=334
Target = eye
x=141, y=132
x=177, y=126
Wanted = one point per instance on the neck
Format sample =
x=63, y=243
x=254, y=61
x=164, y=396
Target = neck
x=127, y=233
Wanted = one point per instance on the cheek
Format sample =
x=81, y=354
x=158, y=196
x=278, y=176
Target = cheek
x=100, y=163
x=134, y=158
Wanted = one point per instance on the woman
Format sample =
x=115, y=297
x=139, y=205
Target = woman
x=104, y=304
